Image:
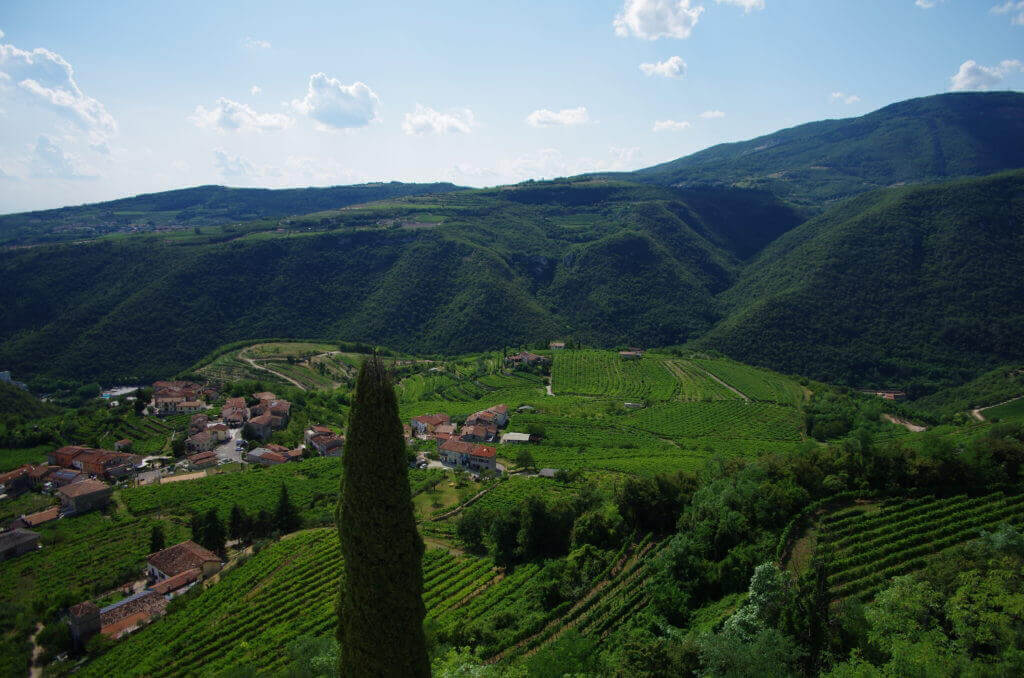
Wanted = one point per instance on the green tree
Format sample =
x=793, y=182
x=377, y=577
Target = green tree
x=524, y=459
x=380, y=606
x=214, y=534
x=239, y=524
x=286, y=517
x=157, y=540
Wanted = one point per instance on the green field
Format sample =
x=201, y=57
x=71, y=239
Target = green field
x=605, y=374
x=1011, y=411
x=755, y=383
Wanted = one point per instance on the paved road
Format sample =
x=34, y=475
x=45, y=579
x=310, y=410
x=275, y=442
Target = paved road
x=227, y=450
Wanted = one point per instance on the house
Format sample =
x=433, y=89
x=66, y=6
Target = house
x=527, y=358
x=66, y=476
x=186, y=390
x=425, y=423
x=85, y=620
x=200, y=442
x=496, y=416
x=557, y=345
x=265, y=457
x=178, y=584
x=885, y=394
x=260, y=427
x=314, y=431
x=84, y=495
x=264, y=395
x=16, y=542
x=632, y=354
x=328, y=444
x=468, y=456
x=515, y=438
x=105, y=463
x=293, y=455
x=39, y=475
x=202, y=460
x=124, y=445
x=17, y=481
x=479, y=433
x=63, y=456
x=234, y=412
x=220, y=432
x=165, y=405
x=182, y=557
x=36, y=519
x=197, y=423
x=190, y=406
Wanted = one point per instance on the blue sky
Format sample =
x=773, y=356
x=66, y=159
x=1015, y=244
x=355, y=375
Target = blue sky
x=100, y=100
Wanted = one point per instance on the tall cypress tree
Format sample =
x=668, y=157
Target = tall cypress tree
x=380, y=605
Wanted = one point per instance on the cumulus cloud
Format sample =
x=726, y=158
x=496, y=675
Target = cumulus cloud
x=670, y=125
x=336, y=106
x=45, y=79
x=425, y=120
x=231, y=116
x=50, y=160
x=1015, y=8
x=926, y=4
x=255, y=90
x=750, y=5
x=672, y=67
x=567, y=116
x=653, y=19
x=253, y=43
x=843, y=97
x=710, y=115
x=974, y=76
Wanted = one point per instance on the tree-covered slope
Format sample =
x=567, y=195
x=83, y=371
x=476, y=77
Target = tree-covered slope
x=931, y=138
x=608, y=262
x=908, y=285
x=199, y=206
x=16, y=402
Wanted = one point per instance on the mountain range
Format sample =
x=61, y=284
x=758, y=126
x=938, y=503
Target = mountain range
x=879, y=250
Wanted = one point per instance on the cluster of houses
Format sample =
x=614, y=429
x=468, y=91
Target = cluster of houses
x=461, y=446
x=170, y=572
x=259, y=421
x=527, y=359
x=179, y=397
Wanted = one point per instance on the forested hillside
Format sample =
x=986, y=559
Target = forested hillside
x=931, y=138
x=603, y=262
x=918, y=284
x=191, y=207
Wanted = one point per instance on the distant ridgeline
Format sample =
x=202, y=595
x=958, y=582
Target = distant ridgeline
x=885, y=285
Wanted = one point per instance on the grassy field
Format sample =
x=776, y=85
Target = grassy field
x=604, y=373
x=1011, y=411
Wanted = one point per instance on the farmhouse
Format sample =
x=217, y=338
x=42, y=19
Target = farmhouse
x=234, y=412
x=83, y=496
x=36, y=519
x=425, y=423
x=468, y=456
x=515, y=438
x=527, y=358
x=493, y=416
x=16, y=542
x=85, y=620
x=327, y=444
x=17, y=481
x=202, y=460
x=179, y=558
x=557, y=345
x=479, y=433
x=631, y=354
x=199, y=442
x=265, y=457
x=63, y=456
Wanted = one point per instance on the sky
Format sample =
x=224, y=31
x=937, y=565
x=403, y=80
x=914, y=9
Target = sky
x=100, y=100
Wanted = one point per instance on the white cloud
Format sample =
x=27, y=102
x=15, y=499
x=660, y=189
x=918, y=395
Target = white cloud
x=710, y=115
x=845, y=98
x=653, y=19
x=425, y=120
x=231, y=116
x=673, y=67
x=295, y=171
x=1, y=34
x=255, y=90
x=567, y=116
x=47, y=80
x=1015, y=8
x=926, y=4
x=670, y=125
x=337, y=106
x=253, y=43
x=50, y=160
x=748, y=5
x=974, y=76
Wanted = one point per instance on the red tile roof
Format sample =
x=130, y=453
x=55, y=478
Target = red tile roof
x=41, y=517
x=82, y=609
x=165, y=586
x=462, y=447
x=83, y=487
x=176, y=559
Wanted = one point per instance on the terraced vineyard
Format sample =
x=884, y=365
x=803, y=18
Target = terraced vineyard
x=81, y=556
x=604, y=373
x=866, y=549
x=726, y=419
x=695, y=384
x=312, y=485
x=755, y=383
x=287, y=590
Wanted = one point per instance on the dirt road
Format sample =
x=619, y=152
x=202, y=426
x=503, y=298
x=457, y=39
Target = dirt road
x=267, y=369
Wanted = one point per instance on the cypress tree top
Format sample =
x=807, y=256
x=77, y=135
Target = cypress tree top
x=380, y=605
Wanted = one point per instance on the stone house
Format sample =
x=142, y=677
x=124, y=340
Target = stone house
x=83, y=496
x=16, y=542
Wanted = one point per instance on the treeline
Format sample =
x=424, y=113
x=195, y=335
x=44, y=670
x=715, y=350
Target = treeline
x=210, y=531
